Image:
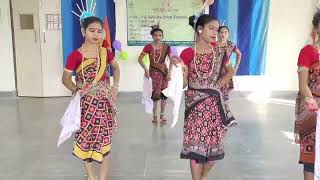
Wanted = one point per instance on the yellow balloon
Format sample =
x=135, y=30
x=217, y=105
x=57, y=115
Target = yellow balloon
x=124, y=55
x=146, y=59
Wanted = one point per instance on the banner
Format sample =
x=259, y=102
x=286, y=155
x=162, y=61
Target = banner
x=71, y=29
x=173, y=16
x=248, y=21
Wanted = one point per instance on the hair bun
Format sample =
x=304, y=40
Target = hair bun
x=191, y=20
x=316, y=19
x=156, y=26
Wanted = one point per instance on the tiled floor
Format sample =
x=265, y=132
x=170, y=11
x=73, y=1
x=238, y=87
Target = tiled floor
x=255, y=150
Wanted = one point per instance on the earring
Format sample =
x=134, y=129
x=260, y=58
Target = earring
x=200, y=31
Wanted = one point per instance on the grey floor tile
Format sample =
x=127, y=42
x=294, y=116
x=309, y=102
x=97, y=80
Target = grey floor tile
x=255, y=150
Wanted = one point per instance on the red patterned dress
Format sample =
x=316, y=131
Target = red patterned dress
x=306, y=121
x=158, y=69
x=206, y=114
x=228, y=49
x=93, y=140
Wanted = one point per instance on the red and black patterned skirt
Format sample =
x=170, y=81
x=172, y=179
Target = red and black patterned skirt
x=93, y=140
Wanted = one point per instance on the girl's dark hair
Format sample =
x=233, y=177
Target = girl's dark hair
x=89, y=20
x=202, y=21
x=156, y=30
x=316, y=19
x=225, y=27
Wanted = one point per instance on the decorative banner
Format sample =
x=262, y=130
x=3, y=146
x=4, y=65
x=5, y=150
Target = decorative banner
x=248, y=22
x=173, y=16
x=71, y=30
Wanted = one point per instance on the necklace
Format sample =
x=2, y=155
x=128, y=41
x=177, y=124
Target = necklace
x=195, y=64
x=97, y=61
x=154, y=54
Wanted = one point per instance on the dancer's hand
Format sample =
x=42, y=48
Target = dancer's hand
x=311, y=104
x=147, y=74
x=177, y=61
x=84, y=89
x=169, y=77
x=113, y=94
x=163, y=68
x=75, y=90
x=174, y=59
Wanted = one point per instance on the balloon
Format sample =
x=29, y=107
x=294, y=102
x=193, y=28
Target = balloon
x=174, y=51
x=117, y=45
x=124, y=55
x=146, y=59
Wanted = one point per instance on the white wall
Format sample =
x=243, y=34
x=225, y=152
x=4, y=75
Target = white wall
x=131, y=72
x=289, y=30
x=7, y=76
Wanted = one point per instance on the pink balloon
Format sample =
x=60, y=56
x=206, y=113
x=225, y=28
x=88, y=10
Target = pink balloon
x=174, y=51
x=117, y=45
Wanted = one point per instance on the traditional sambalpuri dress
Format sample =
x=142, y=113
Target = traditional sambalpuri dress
x=93, y=139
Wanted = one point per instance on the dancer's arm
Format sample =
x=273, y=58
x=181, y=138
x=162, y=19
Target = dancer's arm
x=227, y=76
x=186, y=57
x=144, y=67
x=185, y=75
x=73, y=61
x=238, y=59
x=170, y=70
x=304, y=90
x=116, y=73
x=67, y=81
x=304, y=63
x=303, y=75
x=116, y=78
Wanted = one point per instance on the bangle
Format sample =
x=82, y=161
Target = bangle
x=75, y=89
x=115, y=85
x=307, y=98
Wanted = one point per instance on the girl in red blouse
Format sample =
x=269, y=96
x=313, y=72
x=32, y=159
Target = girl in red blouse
x=206, y=115
x=158, y=70
x=91, y=64
x=308, y=100
x=228, y=46
x=224, y=45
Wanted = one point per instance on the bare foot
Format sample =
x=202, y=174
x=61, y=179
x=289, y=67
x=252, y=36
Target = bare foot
x=163, y=119
x=91, y=178
x=155, y=119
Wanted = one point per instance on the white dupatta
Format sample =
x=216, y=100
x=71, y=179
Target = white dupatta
x=146, y=95
x=71, y=119
x=174, y=91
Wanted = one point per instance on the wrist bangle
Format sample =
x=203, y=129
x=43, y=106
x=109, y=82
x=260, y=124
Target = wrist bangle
x=307, y=98
x=115, y=85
